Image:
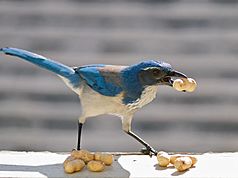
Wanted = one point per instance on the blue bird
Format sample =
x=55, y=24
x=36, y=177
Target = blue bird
x=109, y=89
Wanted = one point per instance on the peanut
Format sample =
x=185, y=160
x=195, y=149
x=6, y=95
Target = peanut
x=95, y=166
x=182, y=163
x=106, y=158
x=85, y=155
x=185, y=84
x=174, y=157
x=74, y=166
x=163, y=159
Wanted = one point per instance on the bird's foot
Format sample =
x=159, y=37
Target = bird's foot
x=76, y=149
x=149, y=151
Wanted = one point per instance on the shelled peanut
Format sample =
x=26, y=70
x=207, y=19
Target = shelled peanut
x=85, y=155
x=163, y=159
x=183, y=163
x=185, y=84
x=174, y=157
x=107, y=159
x=180, y=162
x=95, y=162
x=74, y=165
x=96, y=166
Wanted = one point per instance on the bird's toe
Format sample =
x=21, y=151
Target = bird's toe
x=149, y=151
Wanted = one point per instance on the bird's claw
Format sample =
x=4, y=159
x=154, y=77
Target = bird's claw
x=149, y=151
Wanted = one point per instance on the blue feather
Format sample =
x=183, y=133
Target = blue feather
x=131, y=82
x=95, y=79
x=43, y=62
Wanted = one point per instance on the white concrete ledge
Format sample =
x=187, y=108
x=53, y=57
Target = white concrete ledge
x=46, y=164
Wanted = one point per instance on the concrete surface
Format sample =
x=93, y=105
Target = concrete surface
x=199, y=38
x=47, y=164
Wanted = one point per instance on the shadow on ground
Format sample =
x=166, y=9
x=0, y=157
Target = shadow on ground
x=56, y=170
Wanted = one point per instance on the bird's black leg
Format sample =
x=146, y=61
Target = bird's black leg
x=80, y=125
x=149, y=150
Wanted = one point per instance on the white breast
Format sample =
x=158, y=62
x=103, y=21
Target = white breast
x=148, y=94
x=95, y=104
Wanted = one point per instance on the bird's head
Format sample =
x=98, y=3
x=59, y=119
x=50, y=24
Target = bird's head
x=157, y=73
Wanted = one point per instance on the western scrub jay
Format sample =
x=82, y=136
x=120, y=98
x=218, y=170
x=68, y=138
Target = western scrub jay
x=109, y=89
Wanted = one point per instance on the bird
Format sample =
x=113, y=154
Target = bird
x=109, y=89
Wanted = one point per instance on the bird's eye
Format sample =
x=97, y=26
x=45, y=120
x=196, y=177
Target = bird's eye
x=156, y=72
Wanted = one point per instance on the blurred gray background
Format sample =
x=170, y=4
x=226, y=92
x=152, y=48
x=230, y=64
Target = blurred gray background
x=200, y=38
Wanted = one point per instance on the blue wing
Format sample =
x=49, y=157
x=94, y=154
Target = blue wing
x=105, y=82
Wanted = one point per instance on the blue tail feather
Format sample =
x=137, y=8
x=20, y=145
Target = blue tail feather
x=43, y=62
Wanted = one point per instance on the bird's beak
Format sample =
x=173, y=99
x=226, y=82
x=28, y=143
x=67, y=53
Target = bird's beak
x=167, y=80
x=175, y=73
